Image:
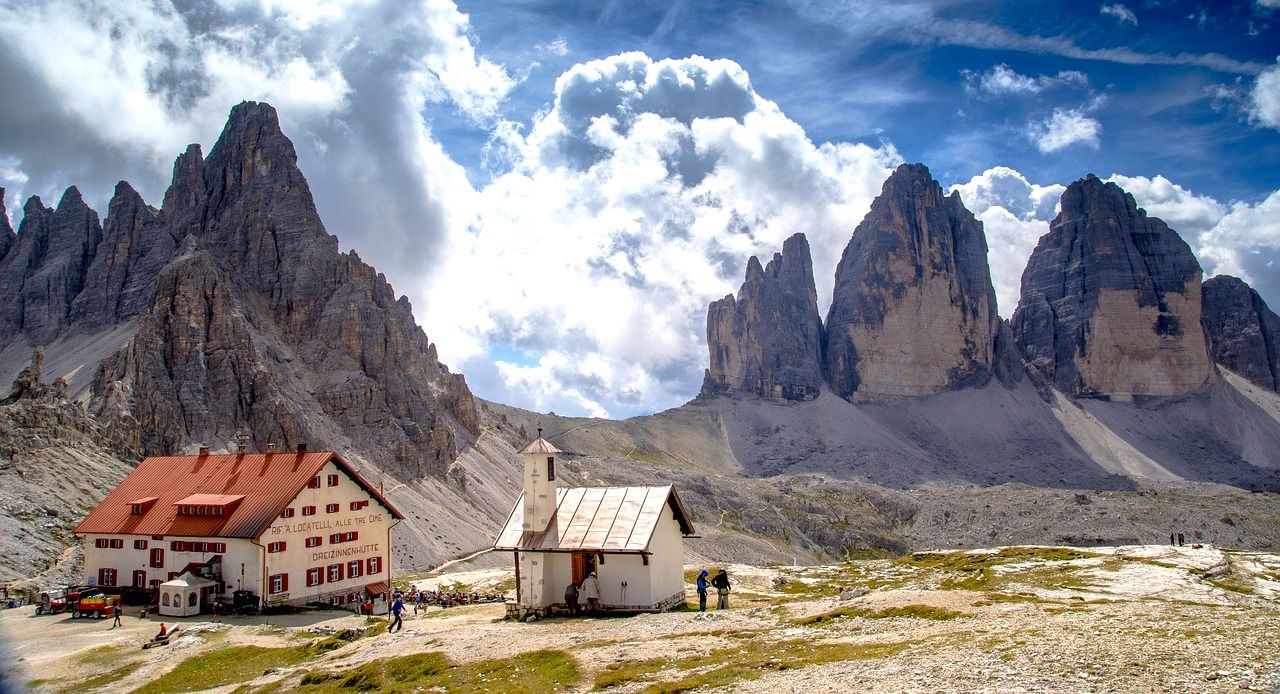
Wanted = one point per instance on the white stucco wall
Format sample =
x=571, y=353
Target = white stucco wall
x=243, y=562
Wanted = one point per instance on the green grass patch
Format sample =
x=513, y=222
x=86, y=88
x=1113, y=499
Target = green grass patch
x=527, y=673
x=105, y=655
x=910, y=611
x=725, y=667
x=978, y=570
x=107, y=677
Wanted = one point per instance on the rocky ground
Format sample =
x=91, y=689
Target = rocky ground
x=1115, y=619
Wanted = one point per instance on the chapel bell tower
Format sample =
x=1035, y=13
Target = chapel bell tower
x=539, y=483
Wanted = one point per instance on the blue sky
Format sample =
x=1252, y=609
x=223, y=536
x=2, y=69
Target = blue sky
x=562, y=187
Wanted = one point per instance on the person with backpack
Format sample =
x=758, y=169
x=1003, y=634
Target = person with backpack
x=117, y=611
x=397, y=608
x=721, y=583
x=702, y=591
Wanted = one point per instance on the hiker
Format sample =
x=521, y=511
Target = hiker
x=164, y=633
x=1180, y=539
x=591, y=591
x=116, y=611
x=1170, y=539
x=571, y=598
x=702, y=591
x=397, y=607
x=721, y=582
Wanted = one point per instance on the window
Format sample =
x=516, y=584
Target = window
x=335, y=573
x=315, y=577
x=139, y=544
x=333, y=480
x=335, y=600
x=357, y=505
x=157, y=557
x=314, y=541
x=274, y=547
x=196, y=546
x=117, y=544
x=308, y=510
x=279, y=583
x=154, y=584
x=138, y=509
x=355, y=568
x=178, y=546
x=331, y=508
x=314, y=483
x=106, y=577
x=218, y=547
x=353, y=536
x=192, y=598
x=139, y=579
x=375, y=565
x=164, y=599
x=551, y=469
x=102, y=543
x=287, y=513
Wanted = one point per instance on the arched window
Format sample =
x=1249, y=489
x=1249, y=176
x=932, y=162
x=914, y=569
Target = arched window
x=164, y=599
x=191, y=599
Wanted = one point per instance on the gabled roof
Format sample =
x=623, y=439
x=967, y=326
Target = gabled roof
x=189, y=580
x=597, y=519
x=268, y=482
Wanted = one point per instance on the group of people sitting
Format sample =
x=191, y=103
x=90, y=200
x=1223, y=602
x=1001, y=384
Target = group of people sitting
x=444, y=598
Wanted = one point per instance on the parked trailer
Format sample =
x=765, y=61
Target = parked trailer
x=52, y=601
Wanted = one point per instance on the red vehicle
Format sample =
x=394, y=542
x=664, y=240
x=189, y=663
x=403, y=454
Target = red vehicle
x=52, y=601
x=97, y=605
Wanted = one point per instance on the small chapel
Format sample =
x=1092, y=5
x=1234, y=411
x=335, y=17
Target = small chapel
x=631, y=538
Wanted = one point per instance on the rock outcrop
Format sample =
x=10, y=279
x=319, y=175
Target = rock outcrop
x=1244, y=334
x=7, y=237
x=248, y=318
x=45, y=270
x=1110, y=303
x=768, y=341
x=913, y=311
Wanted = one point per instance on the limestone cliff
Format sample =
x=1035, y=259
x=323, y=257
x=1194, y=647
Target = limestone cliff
x=7, y=237
x=768, y=341
x=1244, y=333
x=1110, y=301
x=913, y=311
x=243, y=315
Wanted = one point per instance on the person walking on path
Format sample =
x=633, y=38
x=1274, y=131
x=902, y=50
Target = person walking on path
x=702, y=591
x=1181, y=539
x=571, y=598
x=116, y=611
x=721, y=582
x=591, y=591
x=1170, y=539
x=397, y=608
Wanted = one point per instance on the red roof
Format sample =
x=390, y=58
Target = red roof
x=268, y=482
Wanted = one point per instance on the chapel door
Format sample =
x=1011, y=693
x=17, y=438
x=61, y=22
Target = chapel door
x=583, y=564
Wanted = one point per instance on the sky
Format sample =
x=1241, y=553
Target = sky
x=561, y=188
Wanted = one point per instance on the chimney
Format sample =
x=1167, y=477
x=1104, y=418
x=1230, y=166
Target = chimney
x=271, y=448
x=302, y=447
x=204, y=450
x=240, y=448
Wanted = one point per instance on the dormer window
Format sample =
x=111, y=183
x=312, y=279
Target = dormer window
x=137, y=507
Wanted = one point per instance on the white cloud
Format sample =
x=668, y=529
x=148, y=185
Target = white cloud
x=634, y=202
x=1063, y=129
x=1264, y=100
x=1269, y=3
x=1245, y=239
x=1015, y=213
x=1002, y=80
x=1185, y=212
x=1120, y=12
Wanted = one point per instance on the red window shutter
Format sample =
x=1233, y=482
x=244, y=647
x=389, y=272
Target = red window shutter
x=139, y=544
x=333, y=480
x=157, y=557
x=355, y=535
x=102, y=577
x=340, y=568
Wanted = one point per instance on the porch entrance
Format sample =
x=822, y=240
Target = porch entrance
x=583, y=564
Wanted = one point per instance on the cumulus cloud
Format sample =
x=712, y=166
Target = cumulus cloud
x=350, y=79
x=1002, y=80
x=1064, y=128
x=1185, y=212
x=630, y=205
x=1120, y=12
x=1246, y=243
x=1015, y=213
x=1264, y=100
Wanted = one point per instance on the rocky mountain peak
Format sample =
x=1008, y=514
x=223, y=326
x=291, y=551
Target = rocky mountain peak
x=7, y=236
x=1110, y=301
x=768, y=341
x=1244, y=333
x=913, y=311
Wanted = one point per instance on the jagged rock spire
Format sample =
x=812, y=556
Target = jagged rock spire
x=768, y=341
x=1244, y=333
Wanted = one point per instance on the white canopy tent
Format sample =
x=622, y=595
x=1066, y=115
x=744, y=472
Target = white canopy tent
x=184, y=595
